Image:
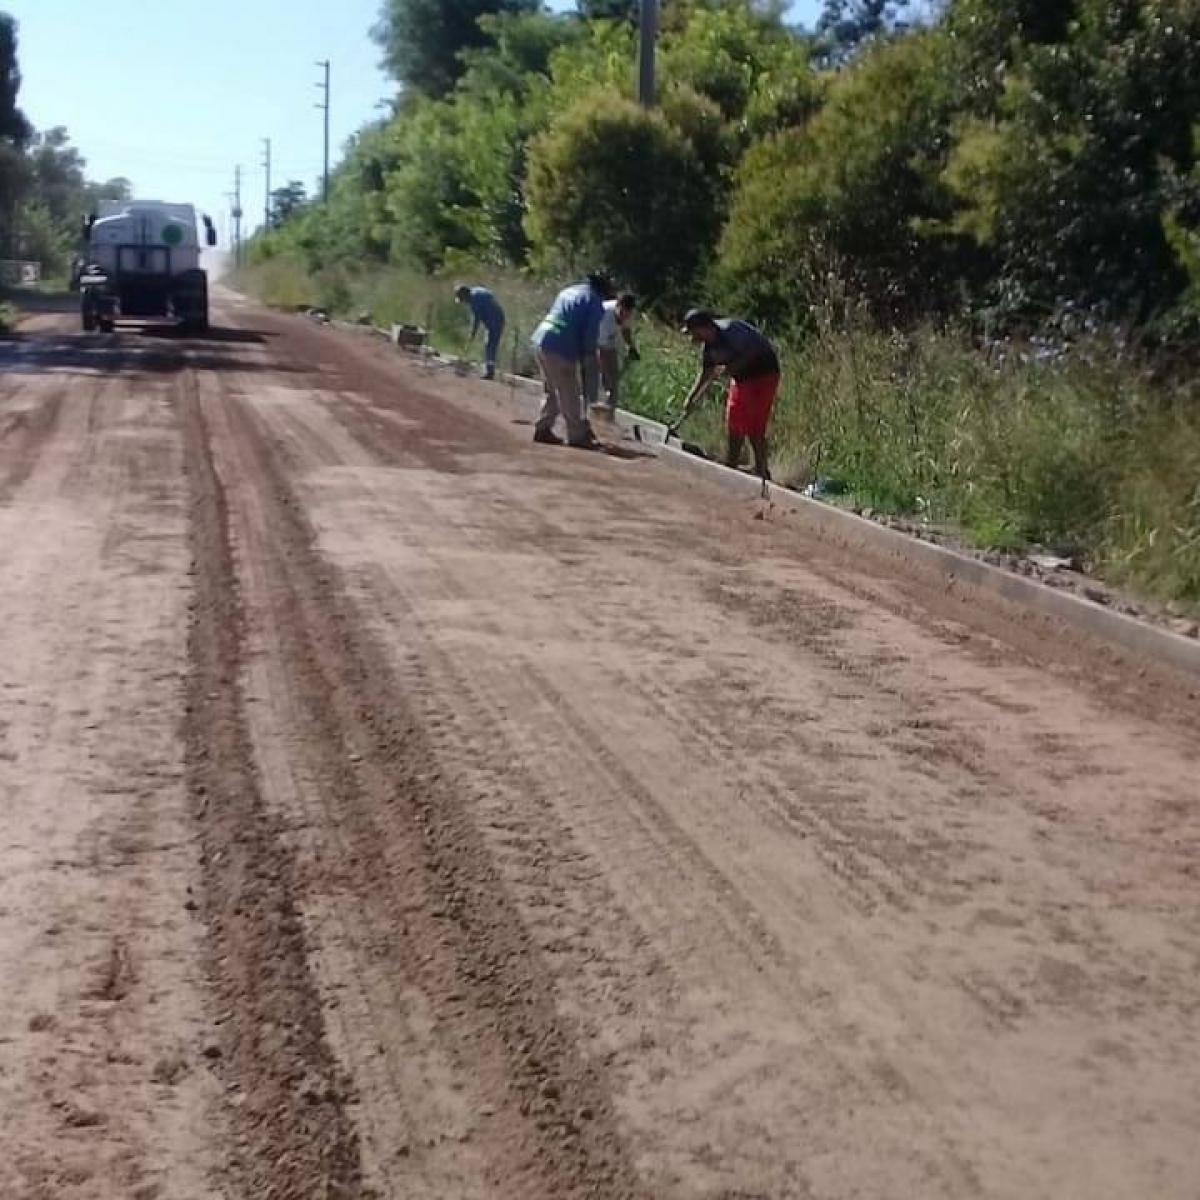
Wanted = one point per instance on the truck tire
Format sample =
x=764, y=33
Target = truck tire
x=191, y=302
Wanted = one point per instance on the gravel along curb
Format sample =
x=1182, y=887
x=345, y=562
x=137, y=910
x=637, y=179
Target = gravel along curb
x=847, y=528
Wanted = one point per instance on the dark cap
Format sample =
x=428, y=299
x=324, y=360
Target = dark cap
x=602, y=282
x=697, y=316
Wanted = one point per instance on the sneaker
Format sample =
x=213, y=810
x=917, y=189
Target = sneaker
x=546, y=437
x=589, y=442
x=490, y=373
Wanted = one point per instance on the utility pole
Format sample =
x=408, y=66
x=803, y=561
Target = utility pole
x=324, y=88
x=649, y=36
x=267, y=194
x=237, y=216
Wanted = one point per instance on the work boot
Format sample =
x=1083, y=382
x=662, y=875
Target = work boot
x=588, y=442
x=546, y=437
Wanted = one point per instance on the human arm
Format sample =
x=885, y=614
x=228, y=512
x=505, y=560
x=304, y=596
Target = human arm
x=591, y=379
x=627, y=334
x=707, y=374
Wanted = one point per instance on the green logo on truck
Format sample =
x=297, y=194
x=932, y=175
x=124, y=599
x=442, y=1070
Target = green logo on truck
x=172, y=234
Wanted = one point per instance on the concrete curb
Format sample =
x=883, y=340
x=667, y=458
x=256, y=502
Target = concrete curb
x=848, y=529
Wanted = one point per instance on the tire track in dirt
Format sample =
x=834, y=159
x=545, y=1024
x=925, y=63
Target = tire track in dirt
x=294, y=1137
x=479, y=763
x=98, y=1077
x=414, y=860
x=958, y=1049
x=32, y=398
x=917, y=871
x=23, y=433
x=416, y=1116
x=640, y=980
x=871, y=879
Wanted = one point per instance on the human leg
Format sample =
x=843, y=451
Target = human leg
x=758, y=444
x=492, y=349
x=610, y=371
x=748, y=414
x=563, y=375
x=544, y=427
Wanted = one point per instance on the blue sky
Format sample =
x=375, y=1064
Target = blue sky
x=174, y=95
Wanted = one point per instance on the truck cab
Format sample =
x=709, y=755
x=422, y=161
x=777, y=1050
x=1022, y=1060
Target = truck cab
x=140, y=260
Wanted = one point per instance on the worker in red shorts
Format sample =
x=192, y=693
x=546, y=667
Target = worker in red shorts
x=736, y=349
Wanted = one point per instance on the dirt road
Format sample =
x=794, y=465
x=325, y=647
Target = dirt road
x=392, y=808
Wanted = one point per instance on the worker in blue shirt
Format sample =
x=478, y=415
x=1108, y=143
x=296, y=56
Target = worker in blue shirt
x=565, y=343
x=485, y=311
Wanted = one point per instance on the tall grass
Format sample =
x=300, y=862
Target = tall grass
x=1077, y=449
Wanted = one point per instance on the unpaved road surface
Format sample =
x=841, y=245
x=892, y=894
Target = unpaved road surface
x=392, y=808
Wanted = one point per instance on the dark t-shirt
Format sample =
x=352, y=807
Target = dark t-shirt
x=738, y=341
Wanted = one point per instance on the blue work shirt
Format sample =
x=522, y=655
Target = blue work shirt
x=485, y=309
x=572, y=325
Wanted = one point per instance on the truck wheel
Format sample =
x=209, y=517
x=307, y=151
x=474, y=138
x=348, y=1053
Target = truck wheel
x=195, y=325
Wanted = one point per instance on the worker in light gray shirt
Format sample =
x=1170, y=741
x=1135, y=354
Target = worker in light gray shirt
x=485, y=311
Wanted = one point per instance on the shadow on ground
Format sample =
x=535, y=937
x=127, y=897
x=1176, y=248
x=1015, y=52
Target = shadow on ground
x=161, y=352
x=238, y=337
x=34, y=300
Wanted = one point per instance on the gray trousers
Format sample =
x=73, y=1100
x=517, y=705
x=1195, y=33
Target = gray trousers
x=564, y=396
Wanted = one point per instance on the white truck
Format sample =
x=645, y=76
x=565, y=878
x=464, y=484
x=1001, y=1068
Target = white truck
x=140, y=259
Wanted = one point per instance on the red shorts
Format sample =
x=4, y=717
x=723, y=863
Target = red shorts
x=748, y=408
